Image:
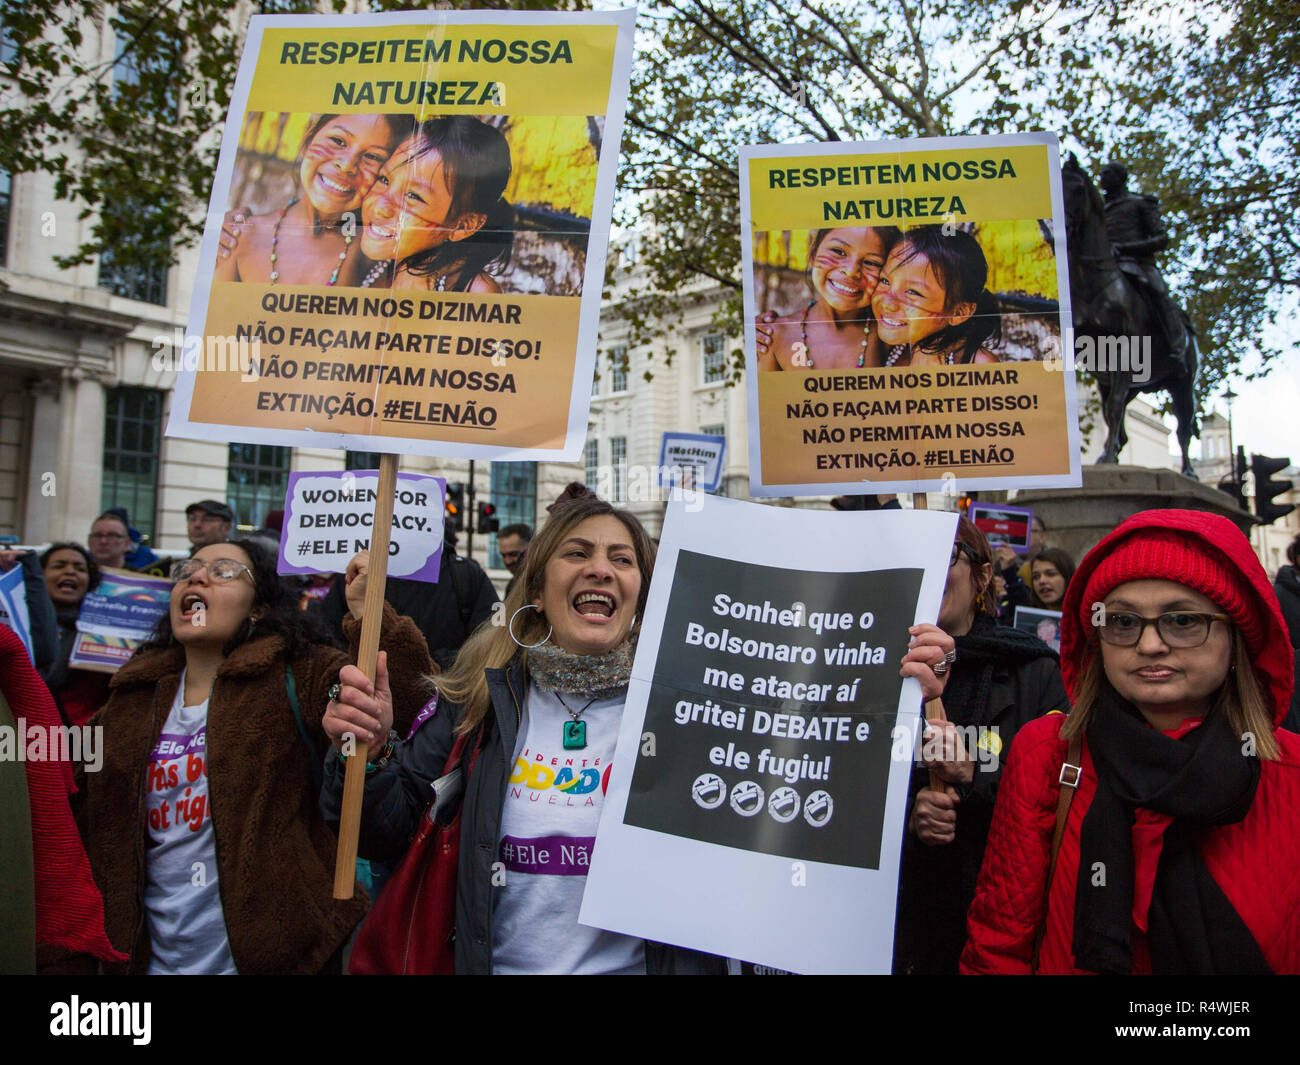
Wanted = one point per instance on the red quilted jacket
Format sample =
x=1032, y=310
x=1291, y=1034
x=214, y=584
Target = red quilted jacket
x=1256, y=861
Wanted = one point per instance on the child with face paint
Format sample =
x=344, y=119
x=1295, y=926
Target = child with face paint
x=931, y=305
x=436, y=218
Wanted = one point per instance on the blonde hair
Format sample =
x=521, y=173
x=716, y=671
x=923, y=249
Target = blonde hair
x=1241, y=700
x=491, y=646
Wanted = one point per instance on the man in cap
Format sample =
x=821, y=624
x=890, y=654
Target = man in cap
x=208, y=522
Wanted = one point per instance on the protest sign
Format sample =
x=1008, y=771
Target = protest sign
x=115, y=617
x=13, y=607
x=914, y=302
x=328, y=516
x=430, y=197
x=1045, y=624
x=1003, y=524
x=758, y=757
x=697, y=453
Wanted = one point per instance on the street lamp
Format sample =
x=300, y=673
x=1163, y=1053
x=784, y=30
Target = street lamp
x=1229, y=395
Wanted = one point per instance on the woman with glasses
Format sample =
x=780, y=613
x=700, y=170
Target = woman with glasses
x=1176, y=795
x=202, y=824
x=1000, y=679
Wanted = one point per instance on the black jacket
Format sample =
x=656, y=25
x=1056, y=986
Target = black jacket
x=937, y=884
x=397, y=795
x=1287, y=587
x=446, y=612
x=42, y=624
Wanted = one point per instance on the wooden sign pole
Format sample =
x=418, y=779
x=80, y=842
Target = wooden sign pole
x=345, y=866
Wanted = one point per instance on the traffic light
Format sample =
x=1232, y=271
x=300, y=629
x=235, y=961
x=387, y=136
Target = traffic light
x=1266, y=488
x=456, y=506
x=488, y=522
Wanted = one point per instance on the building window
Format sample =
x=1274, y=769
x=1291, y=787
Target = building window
x=713, y=430
x=6, y=195
x=256, y=481
x=713, y=358
x=141, y=275
x=132, y=428
x=514, y=491
x=591, y=463
x=618, y=363
x=361, y=460
x=147, y=63
x=618, y=460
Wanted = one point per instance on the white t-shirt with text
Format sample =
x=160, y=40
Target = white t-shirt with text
x=548, y=832
x=187, y=929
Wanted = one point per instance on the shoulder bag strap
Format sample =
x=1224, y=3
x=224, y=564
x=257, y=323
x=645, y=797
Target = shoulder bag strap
x=1068, y=780
x=313, y=759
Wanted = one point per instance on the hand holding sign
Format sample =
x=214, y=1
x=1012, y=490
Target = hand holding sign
x=928, y=659
x=934, y=816
x=362, y=709
x=944, y=755
x=356, y=583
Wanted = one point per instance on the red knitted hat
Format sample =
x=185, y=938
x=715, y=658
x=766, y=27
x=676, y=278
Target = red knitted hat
x=1204, y=552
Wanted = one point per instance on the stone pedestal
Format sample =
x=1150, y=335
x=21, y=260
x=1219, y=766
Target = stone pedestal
x=1077, y=518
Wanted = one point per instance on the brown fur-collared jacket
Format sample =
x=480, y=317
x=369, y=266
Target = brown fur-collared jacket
x=275, y=855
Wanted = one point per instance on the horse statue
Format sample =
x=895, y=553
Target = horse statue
x=1111, y=311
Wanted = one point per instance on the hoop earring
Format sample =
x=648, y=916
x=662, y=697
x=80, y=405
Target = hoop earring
x=511, y=627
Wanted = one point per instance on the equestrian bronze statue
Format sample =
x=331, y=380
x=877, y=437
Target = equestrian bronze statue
x=1122, y=306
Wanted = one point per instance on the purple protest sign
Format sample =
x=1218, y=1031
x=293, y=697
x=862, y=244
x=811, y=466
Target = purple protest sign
x=327, y=518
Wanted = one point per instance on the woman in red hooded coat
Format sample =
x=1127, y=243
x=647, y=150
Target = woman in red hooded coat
x=1182, y=839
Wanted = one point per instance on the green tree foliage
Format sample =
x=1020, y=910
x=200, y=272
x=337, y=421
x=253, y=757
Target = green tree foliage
x=717, y=74
x=1208, y=119
x=1200, y=101
x=123, y=106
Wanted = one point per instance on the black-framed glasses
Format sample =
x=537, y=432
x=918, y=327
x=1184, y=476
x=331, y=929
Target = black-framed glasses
x=961, y=548
x=1177, y=628
x=221, y=570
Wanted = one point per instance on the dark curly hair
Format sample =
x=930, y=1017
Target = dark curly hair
x=476, y=167
x=958, y=263
x=92, y=567
x=300, y=630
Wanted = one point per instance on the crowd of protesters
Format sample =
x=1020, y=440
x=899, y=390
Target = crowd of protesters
x=1152, y=747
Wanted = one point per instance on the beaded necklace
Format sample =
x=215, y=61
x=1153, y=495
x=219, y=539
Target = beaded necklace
x=275, y=240
x=896, y=353
x=380, y=267
x=803, y=336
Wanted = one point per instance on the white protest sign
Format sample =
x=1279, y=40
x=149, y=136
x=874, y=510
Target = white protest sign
x=328, y=515
x=758, y=759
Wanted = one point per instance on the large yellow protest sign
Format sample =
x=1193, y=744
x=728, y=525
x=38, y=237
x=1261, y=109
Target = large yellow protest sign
x=407, y=234
x=905, y=304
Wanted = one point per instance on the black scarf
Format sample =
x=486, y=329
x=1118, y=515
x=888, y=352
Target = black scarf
x=988, y=644
x=1202, y=779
